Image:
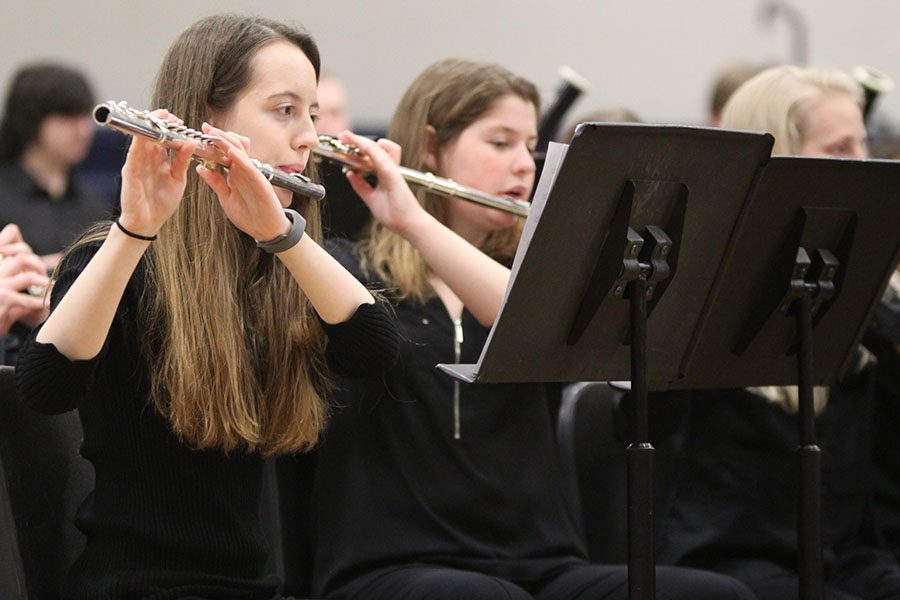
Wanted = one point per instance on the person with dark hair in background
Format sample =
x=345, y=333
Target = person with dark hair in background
x=45, y=132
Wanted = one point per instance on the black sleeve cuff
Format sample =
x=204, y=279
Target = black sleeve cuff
x=48, y=381
x=364, y=345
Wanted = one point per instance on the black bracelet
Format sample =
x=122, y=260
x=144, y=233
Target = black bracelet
x=287, y=240
x=137, y=236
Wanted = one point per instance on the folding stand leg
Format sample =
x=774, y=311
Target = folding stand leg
x=641, y=562
x=809, y=508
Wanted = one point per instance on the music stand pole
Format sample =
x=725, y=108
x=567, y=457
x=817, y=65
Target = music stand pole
x=641, y=563
x=809, y=506
x=643, y=272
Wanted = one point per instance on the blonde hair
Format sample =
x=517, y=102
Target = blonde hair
x=235, y=352
x=779, y=100
x=788, y=397
x=448, y=96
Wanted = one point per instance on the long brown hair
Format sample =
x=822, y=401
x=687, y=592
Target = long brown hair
x=448, y=96
x=234, y=348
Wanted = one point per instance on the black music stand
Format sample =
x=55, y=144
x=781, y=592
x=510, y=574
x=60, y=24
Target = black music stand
x=614, y=217
x=810, y=260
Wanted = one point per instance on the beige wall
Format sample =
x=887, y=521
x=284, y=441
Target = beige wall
x=656, y=56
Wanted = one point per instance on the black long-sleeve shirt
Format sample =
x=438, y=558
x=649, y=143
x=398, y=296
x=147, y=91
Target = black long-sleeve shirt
x=48, y=225
x=395, y=485
x=166, y=520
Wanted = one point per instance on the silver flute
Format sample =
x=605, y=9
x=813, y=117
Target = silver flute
x=121, y=117
x=332, y=148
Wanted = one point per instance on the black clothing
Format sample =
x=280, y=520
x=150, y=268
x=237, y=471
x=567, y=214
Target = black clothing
x=735, y=505
x=345, y=215
x=581, y=581
x=412, y=501
x=394, y=486
x=12, y=342
x=861, y=576
x=48, y=225
x=165, y=520
x=883, y=340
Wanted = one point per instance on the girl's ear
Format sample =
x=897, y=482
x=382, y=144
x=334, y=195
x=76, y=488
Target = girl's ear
x=431, y=148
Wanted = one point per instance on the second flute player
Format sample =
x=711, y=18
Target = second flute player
x=425, y=488
x=199, y=332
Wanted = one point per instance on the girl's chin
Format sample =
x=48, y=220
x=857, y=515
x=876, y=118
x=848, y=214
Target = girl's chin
x=503, y=220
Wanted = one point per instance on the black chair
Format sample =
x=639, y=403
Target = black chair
x=592, y=434
x=12, y=573
x=593, y=458
x=46, y=481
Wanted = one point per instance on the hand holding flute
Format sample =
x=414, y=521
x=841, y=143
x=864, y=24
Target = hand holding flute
x=152, y=186
x=391, y=201
x=349, y=154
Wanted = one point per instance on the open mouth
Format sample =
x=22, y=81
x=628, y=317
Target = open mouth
x=516, y=193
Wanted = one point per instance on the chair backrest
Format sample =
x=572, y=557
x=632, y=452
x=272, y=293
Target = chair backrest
x=12, y=573
x=592, y=433
x=46, y=481
x=593, y=458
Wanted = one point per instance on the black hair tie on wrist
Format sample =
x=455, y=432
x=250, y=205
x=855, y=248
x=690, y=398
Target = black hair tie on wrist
x=137, y=236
